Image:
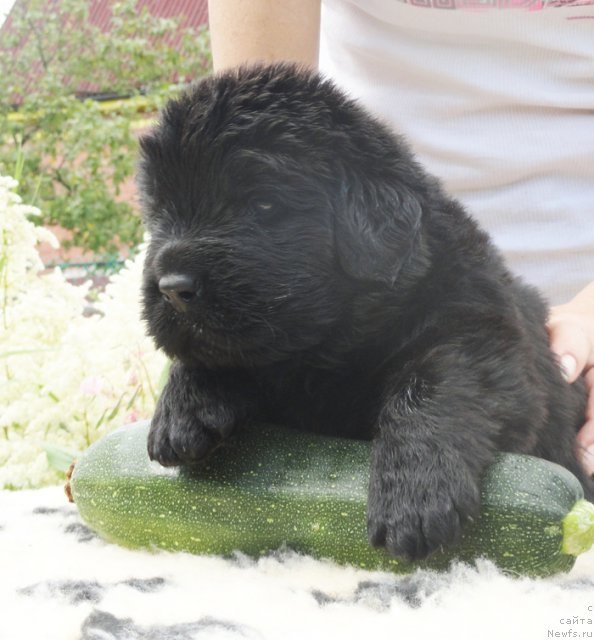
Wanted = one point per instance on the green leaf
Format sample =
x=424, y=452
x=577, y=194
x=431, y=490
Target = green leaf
x=163, y=377
x=58, y=458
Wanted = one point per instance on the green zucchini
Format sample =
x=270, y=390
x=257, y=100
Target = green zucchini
x=270, y=487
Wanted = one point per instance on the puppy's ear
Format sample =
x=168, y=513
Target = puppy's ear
x=377, y=231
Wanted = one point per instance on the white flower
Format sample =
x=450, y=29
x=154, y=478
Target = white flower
x=92, y=385
x=65, y=379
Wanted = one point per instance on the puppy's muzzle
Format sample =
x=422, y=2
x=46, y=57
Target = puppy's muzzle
x=178, y=290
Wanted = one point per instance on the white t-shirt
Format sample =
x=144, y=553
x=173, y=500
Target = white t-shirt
x=496, y=98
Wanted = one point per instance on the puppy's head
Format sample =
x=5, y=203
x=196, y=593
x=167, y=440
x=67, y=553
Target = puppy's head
x=270, y=199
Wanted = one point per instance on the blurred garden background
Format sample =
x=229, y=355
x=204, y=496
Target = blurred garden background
x=80, y=80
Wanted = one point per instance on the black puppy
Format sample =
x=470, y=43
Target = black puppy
x=304, y=269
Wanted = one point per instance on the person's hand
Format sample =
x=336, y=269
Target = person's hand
x=571, y=334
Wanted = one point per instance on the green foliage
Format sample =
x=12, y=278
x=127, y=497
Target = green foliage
x=72, y=153
x=58, y=458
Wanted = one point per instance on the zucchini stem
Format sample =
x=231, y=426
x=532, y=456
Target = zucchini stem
x=578, y=528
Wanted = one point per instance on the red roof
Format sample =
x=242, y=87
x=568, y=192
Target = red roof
x=192, y=13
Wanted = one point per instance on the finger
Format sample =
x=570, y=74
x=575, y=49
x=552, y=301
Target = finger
x=572, y=347
x=585, y=453
x=585, y=436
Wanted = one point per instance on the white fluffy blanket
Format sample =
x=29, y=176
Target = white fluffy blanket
x=60, y=582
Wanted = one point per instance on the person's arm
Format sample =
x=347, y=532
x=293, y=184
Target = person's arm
x=571, y=331
x=246, y=31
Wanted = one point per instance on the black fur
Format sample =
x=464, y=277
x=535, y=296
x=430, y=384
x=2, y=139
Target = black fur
x=336, y=288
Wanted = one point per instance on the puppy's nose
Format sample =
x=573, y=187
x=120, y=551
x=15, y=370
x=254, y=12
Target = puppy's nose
x=178, y=289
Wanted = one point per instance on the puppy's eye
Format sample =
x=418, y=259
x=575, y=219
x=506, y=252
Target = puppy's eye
x=266, y=207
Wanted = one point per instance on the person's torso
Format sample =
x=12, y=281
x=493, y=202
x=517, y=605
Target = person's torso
x=496, y=99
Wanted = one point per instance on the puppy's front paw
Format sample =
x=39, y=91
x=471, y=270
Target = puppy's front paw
x=414, y=510
x=175, y=440
x=185, y=433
